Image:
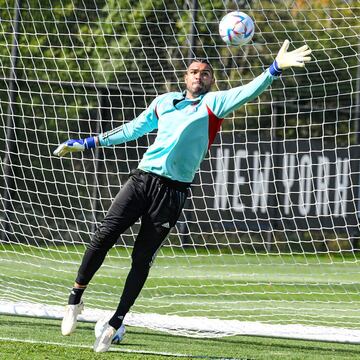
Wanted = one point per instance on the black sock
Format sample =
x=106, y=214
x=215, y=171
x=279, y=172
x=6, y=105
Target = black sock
x=133, y=285
x=117, y=320
x=75, y=296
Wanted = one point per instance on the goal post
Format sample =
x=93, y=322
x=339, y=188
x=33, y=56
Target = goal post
x=268, y=243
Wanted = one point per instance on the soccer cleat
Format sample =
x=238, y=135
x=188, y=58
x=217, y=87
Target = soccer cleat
x=107, y=335
x=103, y=341
x=69, y=321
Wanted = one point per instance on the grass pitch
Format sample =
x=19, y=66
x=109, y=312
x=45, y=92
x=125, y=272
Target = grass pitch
x=312, y=289
x=39, y=339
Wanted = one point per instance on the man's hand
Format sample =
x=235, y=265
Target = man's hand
x=297, y=57
x=75, y=145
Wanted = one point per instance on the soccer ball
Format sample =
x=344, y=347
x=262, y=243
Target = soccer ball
x=119, y=335
x=236, y=28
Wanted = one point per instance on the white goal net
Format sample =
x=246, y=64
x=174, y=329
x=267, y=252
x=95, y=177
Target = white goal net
x=268, y=243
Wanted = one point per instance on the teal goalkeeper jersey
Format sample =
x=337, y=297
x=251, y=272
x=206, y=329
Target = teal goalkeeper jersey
x=186, y=128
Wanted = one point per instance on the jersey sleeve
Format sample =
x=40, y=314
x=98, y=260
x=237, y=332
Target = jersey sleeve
x=141, y=125
x=224, y=102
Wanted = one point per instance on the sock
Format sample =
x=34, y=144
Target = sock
x=133, y=285
x=117, y=320
x=75, y=296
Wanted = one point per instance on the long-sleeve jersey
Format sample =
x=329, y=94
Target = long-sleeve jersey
x=186, y=128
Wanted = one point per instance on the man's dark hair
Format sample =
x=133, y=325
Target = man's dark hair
x=202, y=61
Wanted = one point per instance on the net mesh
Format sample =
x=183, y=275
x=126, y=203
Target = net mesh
x=270, y=231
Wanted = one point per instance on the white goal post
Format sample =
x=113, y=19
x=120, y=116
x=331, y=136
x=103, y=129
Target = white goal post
x=269, y=240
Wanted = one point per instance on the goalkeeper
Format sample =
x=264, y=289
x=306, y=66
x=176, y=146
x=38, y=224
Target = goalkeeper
x=186, y=123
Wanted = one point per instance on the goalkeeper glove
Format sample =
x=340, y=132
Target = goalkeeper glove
x=285, y=59
x=75, y=145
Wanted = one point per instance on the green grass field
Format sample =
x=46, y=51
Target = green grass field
x=29, y=338
x=286, y=289
x=320, y=290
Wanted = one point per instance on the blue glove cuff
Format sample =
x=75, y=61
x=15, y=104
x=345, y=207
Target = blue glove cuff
x=274, y=69
x=89, y=142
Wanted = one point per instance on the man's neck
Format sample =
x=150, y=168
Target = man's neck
x=191, y=96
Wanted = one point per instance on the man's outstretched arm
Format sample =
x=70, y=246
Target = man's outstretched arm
x=144, y=123
x=224, y=102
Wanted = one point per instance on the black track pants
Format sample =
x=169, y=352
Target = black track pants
x=158, y=202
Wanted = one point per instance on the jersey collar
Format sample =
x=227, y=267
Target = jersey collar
x=183, y=97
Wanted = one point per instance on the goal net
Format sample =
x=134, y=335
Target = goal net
x=268, y=243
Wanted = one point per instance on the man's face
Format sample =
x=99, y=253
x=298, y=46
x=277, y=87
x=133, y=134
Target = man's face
x=198, y=79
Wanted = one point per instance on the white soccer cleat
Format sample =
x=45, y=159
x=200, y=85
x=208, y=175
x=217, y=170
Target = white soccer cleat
x=107, y=335
x=103, y=341
x=69, y=322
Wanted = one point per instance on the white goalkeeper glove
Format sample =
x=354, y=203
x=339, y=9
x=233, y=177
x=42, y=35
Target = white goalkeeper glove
x=285, y=59
x=75, y=145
